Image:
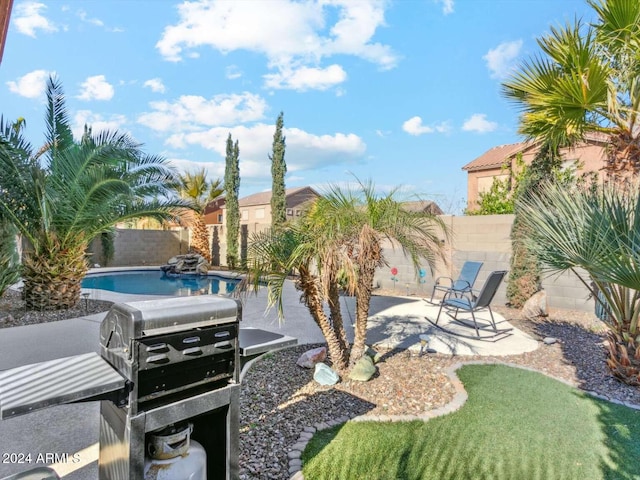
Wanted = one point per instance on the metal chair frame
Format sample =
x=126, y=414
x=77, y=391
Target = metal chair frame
x=463, y=284
x=473, y=304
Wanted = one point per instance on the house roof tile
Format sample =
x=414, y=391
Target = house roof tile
x=264, y=198
x=495, y=157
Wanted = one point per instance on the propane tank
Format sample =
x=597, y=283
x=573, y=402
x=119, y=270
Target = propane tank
x=172, y=455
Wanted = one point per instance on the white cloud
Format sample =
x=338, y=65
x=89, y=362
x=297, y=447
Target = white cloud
x=29, y=19
x=414, y=126
x=97, y=123
x=156, y=85
x=500, y=60
x=478, y=123
x=305, y=151
x=96, y=88
x=93, y=21
x=447, y=6
x=191, y=112
x=290, y=34
x=305, y=78
x=31, y=85
x=232, y=72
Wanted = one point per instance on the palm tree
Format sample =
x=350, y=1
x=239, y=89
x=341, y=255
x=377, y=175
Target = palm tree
x=64, y=194
x=372, y=220
x=338, y=242
x=587, y=80
x=194, y=187
x=595, y=230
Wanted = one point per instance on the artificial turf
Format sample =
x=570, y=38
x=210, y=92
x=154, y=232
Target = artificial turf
x=516, y=424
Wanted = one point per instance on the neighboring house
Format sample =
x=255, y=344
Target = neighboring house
x=255, y=210
x=497, y=162
x=423, y=206
x=214, y=212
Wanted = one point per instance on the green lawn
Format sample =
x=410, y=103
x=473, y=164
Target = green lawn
x=516, y=424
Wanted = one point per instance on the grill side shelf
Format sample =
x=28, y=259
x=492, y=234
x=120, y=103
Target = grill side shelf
x=65, y=380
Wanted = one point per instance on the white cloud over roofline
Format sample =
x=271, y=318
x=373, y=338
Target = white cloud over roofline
x=306, y=78
x=478, y=123
x=414, y=127
x=294, y=36
x=447, y=6
x=30, y=85
x=501, y=60
x=97, y=122
x=156, y=85
x=193, y=112
x=29, y=18
x=96, y=88
x=305, y=151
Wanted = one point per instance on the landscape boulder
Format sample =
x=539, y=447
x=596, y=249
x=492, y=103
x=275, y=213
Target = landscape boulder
x=190, y=263
x=363, y=370
x=536, y=306
x=325, y=375
x=309, y=358
x=375, y=356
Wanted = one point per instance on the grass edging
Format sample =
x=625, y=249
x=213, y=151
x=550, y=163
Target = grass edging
x=459, y=399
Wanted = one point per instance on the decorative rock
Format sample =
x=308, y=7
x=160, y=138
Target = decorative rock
x=363, y=370
x=188, y=263
x=375, y=356
x=536, y=306
x=549, y=340
x=293, y=454
x=309, y=429
x=324, y=375
x=309, y=358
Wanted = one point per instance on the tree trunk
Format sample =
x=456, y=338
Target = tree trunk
x=200, y=237
x=312, y=298
x=335, y=319
x=624, y=357
x=52, y=280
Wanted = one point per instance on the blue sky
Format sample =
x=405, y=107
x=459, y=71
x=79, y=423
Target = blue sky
x=401, y=92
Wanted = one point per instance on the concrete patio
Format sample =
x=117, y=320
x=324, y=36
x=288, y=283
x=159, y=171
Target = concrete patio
x=395, y=322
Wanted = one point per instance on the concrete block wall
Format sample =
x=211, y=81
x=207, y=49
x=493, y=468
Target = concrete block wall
x=142, y=247
x=479, y=238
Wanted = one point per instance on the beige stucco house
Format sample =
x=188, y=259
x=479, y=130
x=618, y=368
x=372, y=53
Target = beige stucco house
x=496, y=162
x=255, y=210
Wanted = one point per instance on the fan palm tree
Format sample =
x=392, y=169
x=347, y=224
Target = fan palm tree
x=194, y=187
x=587, y=79
x=64, y=194
x=594, y=233
x=338, y=243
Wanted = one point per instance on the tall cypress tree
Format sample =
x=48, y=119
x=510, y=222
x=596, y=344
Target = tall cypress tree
x=232, y=189
x=278, y=171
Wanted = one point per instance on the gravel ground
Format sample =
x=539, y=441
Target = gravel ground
x=279, y=399
x=13, y=313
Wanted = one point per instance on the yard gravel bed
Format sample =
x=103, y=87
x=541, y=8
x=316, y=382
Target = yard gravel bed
x=278, y=398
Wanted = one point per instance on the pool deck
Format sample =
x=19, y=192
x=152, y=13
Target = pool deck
x=393, y=322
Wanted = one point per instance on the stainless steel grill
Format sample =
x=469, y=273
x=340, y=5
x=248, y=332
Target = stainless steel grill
x=162, y=362
x=180, y=359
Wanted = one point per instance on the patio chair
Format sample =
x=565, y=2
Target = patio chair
x=462, y=285
x=468, y=303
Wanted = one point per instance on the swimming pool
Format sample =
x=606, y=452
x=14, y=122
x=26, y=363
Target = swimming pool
x=156, y=282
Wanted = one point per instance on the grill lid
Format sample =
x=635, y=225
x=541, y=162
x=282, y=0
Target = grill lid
x=135, y=320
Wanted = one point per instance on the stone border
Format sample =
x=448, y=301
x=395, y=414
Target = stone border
x=459, y=399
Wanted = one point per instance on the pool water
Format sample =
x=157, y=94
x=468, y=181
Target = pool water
x=156, y=282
